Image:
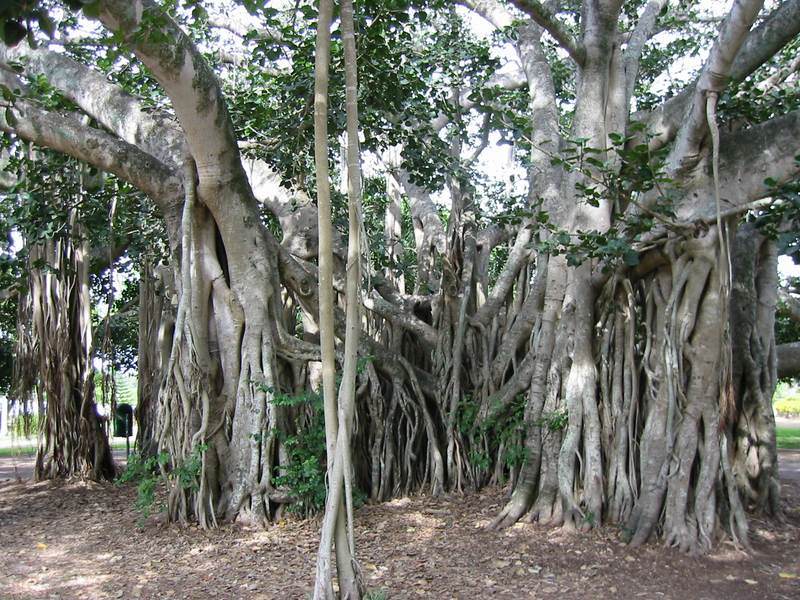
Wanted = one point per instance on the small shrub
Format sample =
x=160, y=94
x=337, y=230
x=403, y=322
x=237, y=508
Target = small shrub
x=187, y=474
x=554, y=421
x=304, y=472
x=788, y=407
x=145, y=473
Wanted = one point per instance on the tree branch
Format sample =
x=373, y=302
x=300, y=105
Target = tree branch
x=788, y=360
x=714, y=77
x=491, y=10
x=792, y=304
x=67, y=134
x=547, y=19
x=193, y=88
x=399, y=316
x=772, y=34
x=644, y=29
x=748, y=157
x=120, y=113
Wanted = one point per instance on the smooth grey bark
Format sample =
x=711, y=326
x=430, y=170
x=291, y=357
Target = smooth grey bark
x=754, y=375
x=338, y=411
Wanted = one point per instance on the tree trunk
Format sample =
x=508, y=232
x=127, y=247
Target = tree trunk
x=72, y=442
x=752, y=426
x=154, y=328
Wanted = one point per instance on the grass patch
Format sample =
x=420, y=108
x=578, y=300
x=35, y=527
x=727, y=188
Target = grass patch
x=788, y=437
x=25, y=451
x=28, y=449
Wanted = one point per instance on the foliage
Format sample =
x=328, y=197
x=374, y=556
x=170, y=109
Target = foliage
x=125, y=388
x=303, y=475
x=780, y=220
x=25, y=425
x=401, y=89
x=146, y=473
x=554, y=421
x=788, y=407
x=641, y=175
x=374, y=203
x=502, y=431
x=787, y=329
x=187, y=474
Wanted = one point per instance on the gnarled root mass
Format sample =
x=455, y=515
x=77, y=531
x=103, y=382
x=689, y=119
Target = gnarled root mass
x=57, y=346
x=676, y=430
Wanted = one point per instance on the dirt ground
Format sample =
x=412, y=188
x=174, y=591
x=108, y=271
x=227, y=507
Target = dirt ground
x=78, y=540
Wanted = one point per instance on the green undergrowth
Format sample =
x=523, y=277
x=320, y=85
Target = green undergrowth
x=146, y=473
x=304, y=472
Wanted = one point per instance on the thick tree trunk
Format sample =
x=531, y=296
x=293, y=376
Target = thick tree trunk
x=72, y=442
x=154, y=326
x=752, y=425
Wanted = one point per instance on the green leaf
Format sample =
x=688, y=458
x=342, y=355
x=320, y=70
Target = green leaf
x=92, y=9
x=631, y=257
x=46, y=24
x=616, y=138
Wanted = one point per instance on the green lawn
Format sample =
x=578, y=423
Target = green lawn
x=21, y=450
x=26, y=448
x=788, y=437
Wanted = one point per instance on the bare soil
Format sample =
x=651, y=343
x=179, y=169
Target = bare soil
x=83, y=540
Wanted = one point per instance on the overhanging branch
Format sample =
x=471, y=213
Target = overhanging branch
x=547, y=19
x=772, y=34
x=112, y=107
x=714, y=77
x=67, y=134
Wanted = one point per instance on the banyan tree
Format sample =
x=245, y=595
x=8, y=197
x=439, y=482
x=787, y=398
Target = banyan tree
x=602, y=340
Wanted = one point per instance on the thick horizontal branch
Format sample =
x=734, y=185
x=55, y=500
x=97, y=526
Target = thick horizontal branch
x=67, y=134
x=772, y=34
x=401, y=317
x=545, y=18
x=113, y=108
x=791, y=303
x=754, y=160
x=242, y=30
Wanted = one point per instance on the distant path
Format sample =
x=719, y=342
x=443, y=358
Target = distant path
x=789, y=464
x=13, y=467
